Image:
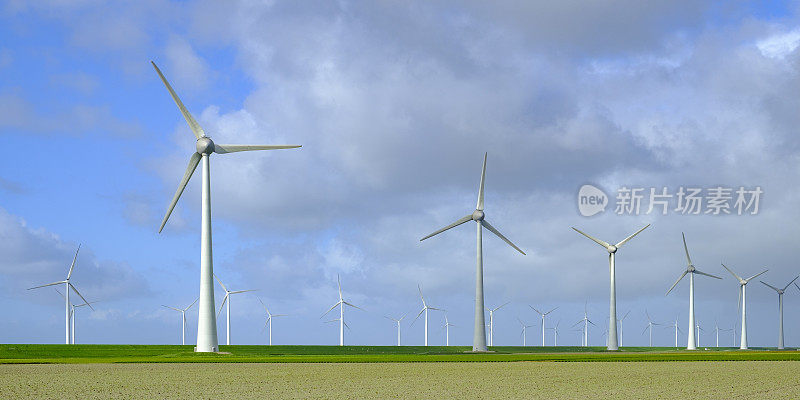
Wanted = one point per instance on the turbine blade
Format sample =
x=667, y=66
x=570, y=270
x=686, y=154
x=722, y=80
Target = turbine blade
x=790, y=283
x=773, y=287
x=401, y=318
x=49, y=284
x=453, y=225
x=329, y=310
x=703, y=273
x=591, y=322
x=172, y=308
x=71, y=267
x=339, y=284
x=676, y=282
x=598, y=241
x=551, y=311
x=417, y=317
x=224, y=299
x=504, y=304
x=732, y=273
x=421, y=296
x=489, y=226
x=479, y=207
x=354, y=306
x=618, y=245
x=61, y=294
x=346, y=326
x=221, y=284
x=81, y=296
x=685, y=248
x=264, y=305
x=232, y=148
x=195, y=127
x=243, y=291
x=193, y=161
x=535, y=309
x=748, y=279
x=190, y=305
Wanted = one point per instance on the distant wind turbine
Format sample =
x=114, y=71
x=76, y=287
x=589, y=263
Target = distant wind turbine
x=447, y=326
x=228, y=299
x=72, y=313
x=68, y=305
x=341, y=303
x=183, y=318
x=204, y=147
x=397, y=321
x=742, y=302
x=479, y=333
x=780, y=309
x=425, y=308
x=555, y=333
x=621, y=331
x=612, y=250
x=270, y=316
x=491, y=322
x=691, y=343
x=586, y=323
x=543, y=315
x=524, y=332
x=650, y=325
x=677, y=329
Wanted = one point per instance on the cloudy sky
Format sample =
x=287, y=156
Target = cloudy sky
x=395, y=104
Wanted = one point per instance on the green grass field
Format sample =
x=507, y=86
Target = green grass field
x=77, y=354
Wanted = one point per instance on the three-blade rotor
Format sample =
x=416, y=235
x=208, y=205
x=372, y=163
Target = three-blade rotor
x=611, y=248
x=690, y=268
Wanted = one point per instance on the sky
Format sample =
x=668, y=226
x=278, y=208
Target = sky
x=395, y=104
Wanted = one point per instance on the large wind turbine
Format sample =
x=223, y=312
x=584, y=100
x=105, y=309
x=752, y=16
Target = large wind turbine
x=612, y=250
x=743, y=303
x=691, y=343
x=650, y=325
x=543, y=315
x=204, y=147
x=479, y=332
x=425, y=308
x=341, y=303
x=524, y=332
x=183, y=318
x=67, y=286
x=491, y=322
x=270, y=316
x=397, y=321
x=72, y=314
x=622, y=331
x=228, y=299
x=780, y=309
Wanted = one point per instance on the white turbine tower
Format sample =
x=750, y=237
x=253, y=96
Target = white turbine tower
x=183, y=318
x=68, y=305
x=717, y=330
x=227, y=298
x=586, y=321
x=204, y=147
x=425, y=308
x=447, y=326
x=650, y=325
x=72, y=314
x=270, y=316
x=341, y=303
x=491, y=322
x=543, y=315
x=742, y=302
x=479, y=332
x=555, y=333
x=677, y=329
x=691, y=343
x=621, y=331
x=612, y=250
x=524, y=332
x=699, y=329
x=397, y=321
x=780, y=309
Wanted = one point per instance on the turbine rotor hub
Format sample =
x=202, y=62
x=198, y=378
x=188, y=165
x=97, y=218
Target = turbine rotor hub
x=478, y=215
x=612, y=249
x=204, y=145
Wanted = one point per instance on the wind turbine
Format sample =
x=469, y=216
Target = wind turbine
x=543, y=314
x=742, y=302
x=479, y=335
x=67, y=286
x=183, y=318
x=555, y=333
x=425, y=308
x=72, y=314
x=699, y=329
x=447, y=326
x=397, y=321
x=677, y=329
x=524, y=332
x=228, y=299
x=780, y=309
x=491, y=322
x=612, y=250
x=717, y=330
x=621, y=331
x=691, y=343
x=650, y=325
x=270, y=316
x=204, y=147
x=341, y=303
x=586, y=323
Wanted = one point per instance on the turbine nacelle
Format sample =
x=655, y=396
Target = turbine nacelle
x=478, y=216
x=611, y=249
x=204, y=145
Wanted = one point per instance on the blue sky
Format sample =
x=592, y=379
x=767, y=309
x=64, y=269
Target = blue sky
x=395, y=104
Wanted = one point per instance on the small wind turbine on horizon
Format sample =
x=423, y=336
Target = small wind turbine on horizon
x=621, y=331
x=446, y=327
x=691, y=343
x=612, y=250
x=677, y=329
x=183, y=318
x=491, y=322
x=543, y=315
x=586, y=321
x=479, y=332
x=650, y=325
x=524, y=332
x=341, y=303
x=555, y=333
x=425, y=308
x=68, y=305
x=397, y=321
x=227, y=299
x=780, y=308
x=742, y=304
x=717, y=330
x=270, y=316
x=204, y=147
x=72, y=313
x=699, y=329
